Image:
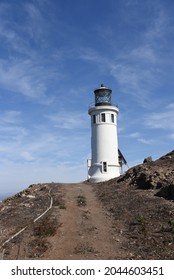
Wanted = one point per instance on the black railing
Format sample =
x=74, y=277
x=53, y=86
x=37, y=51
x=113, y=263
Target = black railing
x=91, y=105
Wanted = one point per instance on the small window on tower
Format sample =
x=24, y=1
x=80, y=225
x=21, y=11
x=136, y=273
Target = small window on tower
x=104, y=166
x=112, y=118
x=94, y=118
x=103, y=117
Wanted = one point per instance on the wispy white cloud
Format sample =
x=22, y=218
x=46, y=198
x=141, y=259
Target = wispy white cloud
x=136, y=79
x=10, y=117
x=171, y=136
x=42, y=172
x=161, y=120
x=21, y=37
x=11, y=35
x=146, y=141
x=134, y=135
x=27, y=78
x=158, y=27
x=11, y=130
x=138, y=70
x=144, y=53
x=36, y=26
x=26, y=70
x=27, y=156
x=49, y=141
x=69, y=120
x=137, y=136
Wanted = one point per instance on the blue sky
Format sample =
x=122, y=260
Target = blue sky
x=53, y=54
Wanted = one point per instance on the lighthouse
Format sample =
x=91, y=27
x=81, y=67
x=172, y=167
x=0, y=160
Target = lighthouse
x=104, y=163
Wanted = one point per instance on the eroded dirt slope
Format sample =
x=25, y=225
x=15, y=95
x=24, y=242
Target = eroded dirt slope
x=130, y=217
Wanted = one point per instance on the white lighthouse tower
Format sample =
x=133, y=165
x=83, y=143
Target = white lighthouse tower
x=104, y=163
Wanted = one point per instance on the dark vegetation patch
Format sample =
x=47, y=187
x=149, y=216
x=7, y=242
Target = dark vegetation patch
x=81, y=200
x=84, y=248
x=45, y=227
x=37, y=247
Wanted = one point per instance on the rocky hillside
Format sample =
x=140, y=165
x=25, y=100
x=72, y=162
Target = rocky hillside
x=141, y=203
x=156, y=175
x=137, y=207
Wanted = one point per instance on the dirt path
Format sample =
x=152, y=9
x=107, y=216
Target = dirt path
x=83, y=227
x=85, y=231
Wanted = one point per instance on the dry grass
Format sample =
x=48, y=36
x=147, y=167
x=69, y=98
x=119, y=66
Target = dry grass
x=81, y=200
x=45, y=228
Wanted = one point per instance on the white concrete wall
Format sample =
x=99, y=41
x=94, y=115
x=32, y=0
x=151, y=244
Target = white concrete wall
x=104, y=144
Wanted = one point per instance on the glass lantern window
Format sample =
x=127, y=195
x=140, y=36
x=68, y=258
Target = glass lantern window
x=104, y=98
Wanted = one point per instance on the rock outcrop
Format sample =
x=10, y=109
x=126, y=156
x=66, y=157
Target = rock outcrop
x=157, y=175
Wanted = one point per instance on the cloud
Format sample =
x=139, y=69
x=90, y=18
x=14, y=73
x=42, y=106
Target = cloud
x=158, y=27
x=50, y=141
x=32, y=173
x=171, y=136
x=69, y=120
x=27, y=156
x=134, y=135
x=38, y=153
x=21, y=37
x=10, y=117
x=134, y=76
x=33, y=12
x=138, y=68
x=27, y=78
x=12, y=35
x=146, y=141
x=161, y=120
x=138, y=137
x=144, y=53
x=26, y=68
x=35, y=24
x=11, y=131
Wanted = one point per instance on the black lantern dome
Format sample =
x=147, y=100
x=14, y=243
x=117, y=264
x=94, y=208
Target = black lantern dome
x=103, y=96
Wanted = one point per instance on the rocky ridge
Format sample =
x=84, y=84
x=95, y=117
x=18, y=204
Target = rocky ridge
x=141, y=202
x=156, y=175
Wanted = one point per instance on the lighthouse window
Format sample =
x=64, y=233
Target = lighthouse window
x=112, y=118
x=94, y=118
x=104, y=166
x=103, y=118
